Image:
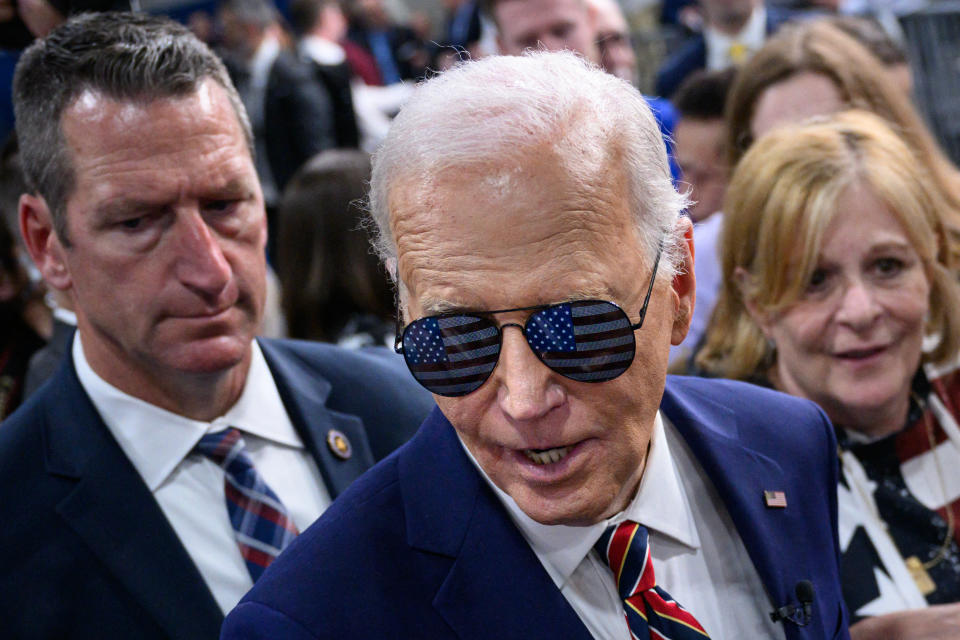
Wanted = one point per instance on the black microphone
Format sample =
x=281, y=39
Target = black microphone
x=799, y=614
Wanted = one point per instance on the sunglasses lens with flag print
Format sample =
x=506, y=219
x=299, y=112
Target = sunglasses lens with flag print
x=453, y=354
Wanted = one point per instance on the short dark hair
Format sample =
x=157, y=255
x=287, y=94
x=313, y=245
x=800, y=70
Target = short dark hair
x=703, y=94
x=124, y=56
x=305, y=14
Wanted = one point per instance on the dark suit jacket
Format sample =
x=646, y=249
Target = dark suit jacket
x=89, y=552
x=299, y=117
x=692, y=55
x=420, y=547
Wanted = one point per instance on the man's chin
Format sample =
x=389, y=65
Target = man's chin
x=560, y=511
x=212, y=356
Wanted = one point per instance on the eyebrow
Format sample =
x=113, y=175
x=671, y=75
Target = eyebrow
x=120, y=208
x=117, y=209
x=436, y=307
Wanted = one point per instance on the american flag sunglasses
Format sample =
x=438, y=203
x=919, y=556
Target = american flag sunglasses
x=453, y=354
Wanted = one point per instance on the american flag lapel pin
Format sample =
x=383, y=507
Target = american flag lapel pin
x=775, y=499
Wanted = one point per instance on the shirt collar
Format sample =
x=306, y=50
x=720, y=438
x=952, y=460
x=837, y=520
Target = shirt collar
x=156, y=440
x=752, y=35
x=322, y=51
x=562, y=548
x=262, y=61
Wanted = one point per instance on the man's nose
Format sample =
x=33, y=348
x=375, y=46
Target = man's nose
x=859, y=307
x=527, y=387
x=201, y=264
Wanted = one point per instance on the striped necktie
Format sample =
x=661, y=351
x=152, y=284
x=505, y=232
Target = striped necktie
x=260, y=521
x=650, y=611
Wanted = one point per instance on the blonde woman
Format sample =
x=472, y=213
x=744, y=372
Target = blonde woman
x=838, y=287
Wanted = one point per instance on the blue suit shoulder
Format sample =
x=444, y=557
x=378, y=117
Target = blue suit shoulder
x=770, y=420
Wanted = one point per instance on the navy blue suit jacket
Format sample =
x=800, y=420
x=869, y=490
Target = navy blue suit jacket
x=692, y=55
x=88, y=552
x=420, y=547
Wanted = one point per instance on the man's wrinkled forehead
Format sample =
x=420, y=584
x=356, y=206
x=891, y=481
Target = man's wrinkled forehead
x=535, y=211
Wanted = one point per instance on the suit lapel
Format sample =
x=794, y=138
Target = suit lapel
x=304, y=394
x=496, y=586
x=741, y=475
x=116, y=516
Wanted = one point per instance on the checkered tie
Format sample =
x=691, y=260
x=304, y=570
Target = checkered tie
x=260, y=521
x=650, y=611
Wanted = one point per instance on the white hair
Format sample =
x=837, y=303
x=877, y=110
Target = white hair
x=489, y=112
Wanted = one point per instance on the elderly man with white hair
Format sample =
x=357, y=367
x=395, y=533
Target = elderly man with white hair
x=564, y=487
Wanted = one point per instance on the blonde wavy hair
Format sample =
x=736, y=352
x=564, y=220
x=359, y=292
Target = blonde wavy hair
x=783, y=195
x=818, y=46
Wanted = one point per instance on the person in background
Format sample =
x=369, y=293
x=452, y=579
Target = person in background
x=698, y=146
x=815, y=68
x=464, y=26
x=397, y=51
x=252, y=40
x=733, y=30
x=334, y=289
x=839, y=286
x=871, y=34
x=291, y=110
x=321, y=28
x=596, y=29
x=614, y=43
x=544, y=267
x=173, y=455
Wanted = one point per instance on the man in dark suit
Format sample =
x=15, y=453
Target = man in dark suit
x=732, y=31
x=148, y=485
x=545, y=268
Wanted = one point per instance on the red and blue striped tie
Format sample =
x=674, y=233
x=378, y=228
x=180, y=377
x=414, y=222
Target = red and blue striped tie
x=260, y=521
x=650, y=611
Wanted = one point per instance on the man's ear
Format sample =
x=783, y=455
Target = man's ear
x=762, y=319
x=684, y=283
x=48, y=253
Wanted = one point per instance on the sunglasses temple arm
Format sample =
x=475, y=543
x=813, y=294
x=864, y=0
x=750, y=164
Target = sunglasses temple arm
x=398, y=339
x=653, y=279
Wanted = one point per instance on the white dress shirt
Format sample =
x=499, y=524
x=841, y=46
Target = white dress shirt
x=752, y=36
x=190, y=487
x=321, y=50
x=698, y=556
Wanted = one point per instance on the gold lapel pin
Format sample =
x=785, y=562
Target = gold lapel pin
x=339, y=444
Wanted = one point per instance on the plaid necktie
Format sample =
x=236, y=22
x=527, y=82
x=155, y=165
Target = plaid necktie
x=260, y=521
x=650, y=611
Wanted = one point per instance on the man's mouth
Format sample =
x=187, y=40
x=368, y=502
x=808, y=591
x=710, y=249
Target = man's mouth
x=547, y=456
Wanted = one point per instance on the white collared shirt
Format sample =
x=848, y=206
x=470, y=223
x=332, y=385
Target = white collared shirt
x=321, y=50
x=698, y=556
x=190, y=488
x=752, y=36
